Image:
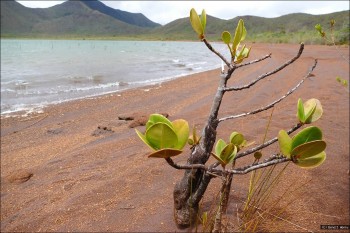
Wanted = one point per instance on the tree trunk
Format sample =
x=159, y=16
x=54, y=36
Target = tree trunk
x=189, y=190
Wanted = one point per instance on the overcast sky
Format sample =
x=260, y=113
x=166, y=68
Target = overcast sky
x=164, y=12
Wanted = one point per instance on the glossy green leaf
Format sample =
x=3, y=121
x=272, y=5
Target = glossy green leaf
x=218, y=159
x=238, y=35
x=309, y=110
x=157, y=118
x=220, y=145
x=236, y=138
x=285, y=143
x=300, y=113
x=182, y=131
x=143, y=138
x=161, y=136
x=226, y=37
x=196, y=23
x=244, y=53
x=232, y=156
x=308, y=134
x=203, y=20
x=226, y=152
x=316, y=113
x=313, y=161
x=308, y=149
x=165, y=153
x=244, y=32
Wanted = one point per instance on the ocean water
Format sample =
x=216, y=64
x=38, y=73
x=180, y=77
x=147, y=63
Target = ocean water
x=36, y=73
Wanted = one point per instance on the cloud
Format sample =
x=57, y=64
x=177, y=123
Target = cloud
x=164, y=12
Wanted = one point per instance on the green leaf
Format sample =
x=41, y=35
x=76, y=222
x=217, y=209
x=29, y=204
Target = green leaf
x=226, y=37
x=244, y=33
x=161, y=136
x=233, y=155
x=236, y=138
x=308, y=149
x=226, y=152
x=309, y=110
x=203, y=20
x=317, y=113
x=220, y=145
x=165, y=153
x=238, y=35
x=143, y=138
x=285, y=143
x=182, y=131
x=308, y=134
x=301, y=114
x=157, y=118
x=218, y=159
x=244, y=53
x=196, y=23
x=313, y=161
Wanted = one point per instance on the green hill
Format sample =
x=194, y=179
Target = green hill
x=69, y=19
x=93, y=19
x=292, y=28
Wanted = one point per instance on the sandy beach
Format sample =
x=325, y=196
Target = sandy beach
x=78, y=167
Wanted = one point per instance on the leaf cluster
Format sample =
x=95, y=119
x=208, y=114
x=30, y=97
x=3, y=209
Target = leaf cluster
x=166, y=138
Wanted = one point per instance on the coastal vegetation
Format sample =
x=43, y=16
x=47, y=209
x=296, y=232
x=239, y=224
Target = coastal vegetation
x=94, y=20
x=166, y=139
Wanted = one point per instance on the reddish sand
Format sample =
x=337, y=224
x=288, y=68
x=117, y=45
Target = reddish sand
x=57, y=176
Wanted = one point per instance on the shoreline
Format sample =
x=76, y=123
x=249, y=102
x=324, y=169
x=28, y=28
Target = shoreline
x=41, y=108
x=78, y=167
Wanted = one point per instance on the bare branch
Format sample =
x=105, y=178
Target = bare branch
x=266, y=144
x=254, y=61
x=273, y=103
x=217, y=53
x=259, y=165
x=186, y=166
x=274, y=159
x=269, y=73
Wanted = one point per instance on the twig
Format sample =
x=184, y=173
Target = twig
x=273, y=103
x=265, y=144
x=217, y=53
x=240, y=171
x=269, y=73
x=258, y=166
x=254, y=61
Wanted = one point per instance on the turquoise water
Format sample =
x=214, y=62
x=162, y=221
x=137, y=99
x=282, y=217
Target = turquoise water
x=35, y=73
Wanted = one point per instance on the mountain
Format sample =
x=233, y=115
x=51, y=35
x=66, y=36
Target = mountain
x=136, y=19
x=93, y=19
x=72, y=19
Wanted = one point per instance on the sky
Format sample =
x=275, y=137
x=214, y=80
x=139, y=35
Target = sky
x=164, y=12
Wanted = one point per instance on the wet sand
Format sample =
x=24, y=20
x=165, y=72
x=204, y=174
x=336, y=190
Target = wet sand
x=77, y=167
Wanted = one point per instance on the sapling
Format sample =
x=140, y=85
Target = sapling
x=167, y=139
